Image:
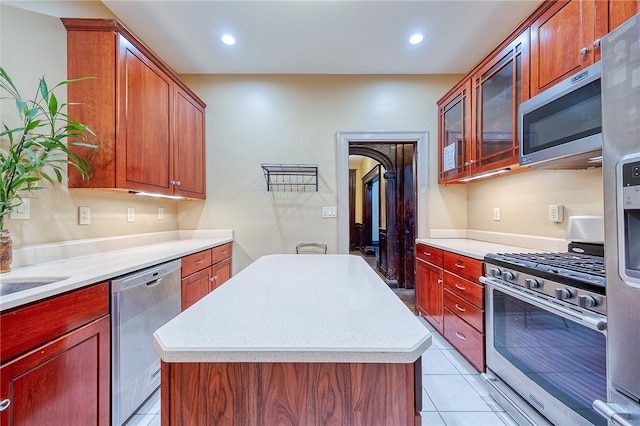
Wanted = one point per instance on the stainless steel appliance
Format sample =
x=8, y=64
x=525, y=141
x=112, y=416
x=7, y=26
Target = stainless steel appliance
x=141, y=303
x=621, y=170
x=546, y=334
x=561, y=128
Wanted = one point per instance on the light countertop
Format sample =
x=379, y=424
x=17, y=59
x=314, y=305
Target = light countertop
x=297, y=308
x=79, y=271
x=473, y=248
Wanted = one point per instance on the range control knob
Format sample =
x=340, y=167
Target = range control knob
x=562, y=293
x=585, y=301
x=495, y=272
x=532, y=283
x=509, y=276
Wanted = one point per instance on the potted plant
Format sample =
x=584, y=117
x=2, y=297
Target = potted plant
x=34, y=146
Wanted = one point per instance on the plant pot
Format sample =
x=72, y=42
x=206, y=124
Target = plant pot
x=6, y=250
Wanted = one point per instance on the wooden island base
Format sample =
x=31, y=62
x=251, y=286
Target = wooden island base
x=290, y=394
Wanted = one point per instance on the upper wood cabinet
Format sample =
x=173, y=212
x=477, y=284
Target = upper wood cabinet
x=149, y=125
x=454, y=138
x=498, y=88
x=566, y=37
x=478, y=119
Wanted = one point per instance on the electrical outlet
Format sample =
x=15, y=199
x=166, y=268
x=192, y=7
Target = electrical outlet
x=556, y=213
x=84, y=215
x=496, y=213
x=160, y=213
x=131, y=214
x=22, y=211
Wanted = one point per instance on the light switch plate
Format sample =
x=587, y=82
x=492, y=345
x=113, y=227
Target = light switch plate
x=160, y=213
x=329, y=212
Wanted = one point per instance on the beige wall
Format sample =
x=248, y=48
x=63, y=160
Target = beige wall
x=254, y=119
x=293, y=119
x=524, y=199
x=33, y=45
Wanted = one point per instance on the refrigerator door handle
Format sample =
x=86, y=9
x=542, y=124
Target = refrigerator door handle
x=612, y=412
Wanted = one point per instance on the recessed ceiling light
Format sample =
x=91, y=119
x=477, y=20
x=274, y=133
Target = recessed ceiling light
x=416, y=38
x=228, y=39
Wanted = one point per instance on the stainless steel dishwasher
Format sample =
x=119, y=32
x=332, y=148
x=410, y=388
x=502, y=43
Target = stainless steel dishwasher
x=141, y=302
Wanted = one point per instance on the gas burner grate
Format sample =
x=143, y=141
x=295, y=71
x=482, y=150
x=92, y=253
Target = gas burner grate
x=584, y=263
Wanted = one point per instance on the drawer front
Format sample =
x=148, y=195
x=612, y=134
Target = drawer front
x=465, y=310
x=195, y=262
x=469, y=291
x=429, y=254
x=466, y=339
x=221, y=252
x=27, y=327
x=463, y=266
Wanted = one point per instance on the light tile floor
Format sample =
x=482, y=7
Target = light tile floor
x=453, y=393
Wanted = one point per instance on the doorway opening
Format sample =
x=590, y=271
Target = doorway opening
x=398, y=174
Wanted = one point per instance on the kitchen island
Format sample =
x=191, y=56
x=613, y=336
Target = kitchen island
x=294, y=339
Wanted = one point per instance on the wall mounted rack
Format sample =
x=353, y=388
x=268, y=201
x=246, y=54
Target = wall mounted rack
x=291, y=177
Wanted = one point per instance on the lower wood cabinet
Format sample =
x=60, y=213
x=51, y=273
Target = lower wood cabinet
x=203, y=272
x=451, y=299
x=56, y=360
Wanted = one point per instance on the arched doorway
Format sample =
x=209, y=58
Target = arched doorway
x=387, y=203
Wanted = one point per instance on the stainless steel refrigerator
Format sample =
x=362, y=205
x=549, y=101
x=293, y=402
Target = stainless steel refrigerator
x=621, y=170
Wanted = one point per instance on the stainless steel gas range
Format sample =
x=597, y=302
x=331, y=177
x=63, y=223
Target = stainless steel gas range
x=546, y=333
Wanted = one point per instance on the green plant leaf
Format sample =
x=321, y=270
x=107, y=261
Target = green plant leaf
x=44, y=91
x=53, y=104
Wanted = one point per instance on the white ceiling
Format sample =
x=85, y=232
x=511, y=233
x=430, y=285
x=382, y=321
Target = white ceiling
x=321, y=37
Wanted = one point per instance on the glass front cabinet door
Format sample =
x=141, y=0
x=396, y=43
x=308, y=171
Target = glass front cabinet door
x=498, y=91
x=454, y=127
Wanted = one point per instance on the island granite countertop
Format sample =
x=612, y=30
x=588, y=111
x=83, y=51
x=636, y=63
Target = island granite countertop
x=297, y=308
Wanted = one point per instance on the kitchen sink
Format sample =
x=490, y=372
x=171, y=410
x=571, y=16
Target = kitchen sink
x=21, y=284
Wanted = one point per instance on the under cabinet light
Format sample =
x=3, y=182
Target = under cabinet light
x=151, y=194
x=484, y=175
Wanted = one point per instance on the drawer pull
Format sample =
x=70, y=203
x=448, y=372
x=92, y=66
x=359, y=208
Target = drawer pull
x=460, y=266
x=426, y=253
x=461, y=288
x=460, y=336
x=460, y=309
x=199, y=261
x=4, y=404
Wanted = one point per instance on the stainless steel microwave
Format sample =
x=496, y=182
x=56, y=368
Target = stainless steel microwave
x=561, y=128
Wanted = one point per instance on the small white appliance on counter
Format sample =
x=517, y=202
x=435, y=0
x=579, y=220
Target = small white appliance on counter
x=621, y=170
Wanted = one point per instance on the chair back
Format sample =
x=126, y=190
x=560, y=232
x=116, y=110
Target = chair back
x=311, y=248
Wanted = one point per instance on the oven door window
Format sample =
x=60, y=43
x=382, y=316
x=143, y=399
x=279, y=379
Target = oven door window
x=565, y=358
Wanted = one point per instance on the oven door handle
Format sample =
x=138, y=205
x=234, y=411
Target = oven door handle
x=595, y=322
x=612, y=412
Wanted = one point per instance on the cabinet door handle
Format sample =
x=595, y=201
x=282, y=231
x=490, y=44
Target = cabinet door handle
x=596, y=42
x=584, y=51
x=460, y=336
x=460, y=266
x=212, y=279
x=460, y=309
x=4, y=404
x=461, y=288
x=439, y=281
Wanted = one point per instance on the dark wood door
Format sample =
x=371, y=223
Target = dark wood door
x=407, y=227
x=65, y=381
